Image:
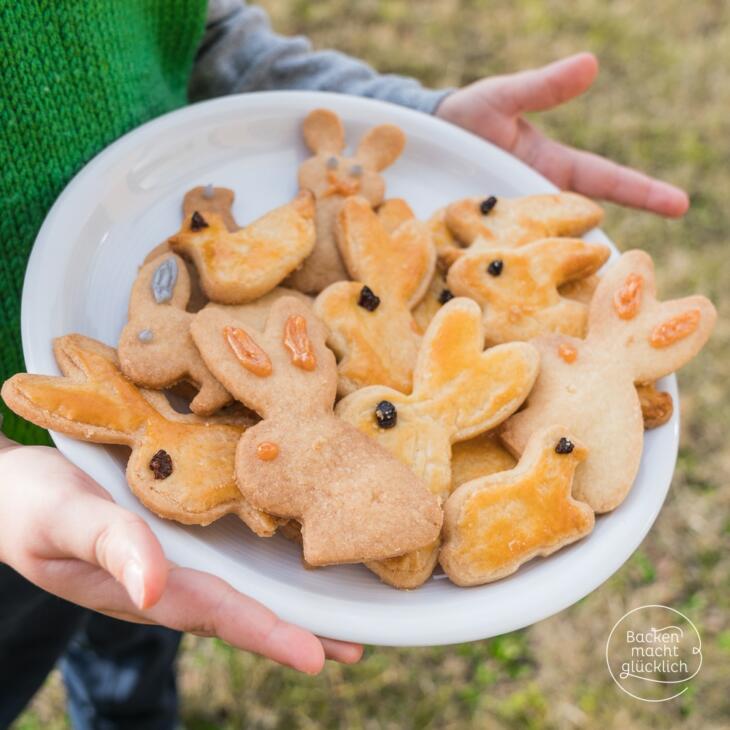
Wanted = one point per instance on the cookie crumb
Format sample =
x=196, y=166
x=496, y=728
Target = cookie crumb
x=161, y=464
x=565, y=446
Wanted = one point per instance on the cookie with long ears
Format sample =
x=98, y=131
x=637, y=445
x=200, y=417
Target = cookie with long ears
x=371, y=323
x=155, y=348
x=588, y=385
x=494, y=524
x=459, y=391
x=181, y=467
x=518, y=288
x=239, y=266
x=354, y=500
x=333, y=177
x=482, y=223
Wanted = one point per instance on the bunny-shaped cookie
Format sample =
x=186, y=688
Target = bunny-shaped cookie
x=494, y=524
x=481, y=223
x=181, y=467
x=333, y=178
x=371, y=324
x=588, y=385
x=155, y=348
x=518, y=288
x=459, y=391
x=354, y=500
x=240, y=266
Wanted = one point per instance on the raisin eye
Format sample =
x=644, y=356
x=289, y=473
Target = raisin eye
x=495, y=267
x=368, y=300
x=487, y=204
x=197, y=222
x=356, y=171
x=445, y=296
x=386, y=414
x=161, y=464
x=565, y=446
x=332, y=163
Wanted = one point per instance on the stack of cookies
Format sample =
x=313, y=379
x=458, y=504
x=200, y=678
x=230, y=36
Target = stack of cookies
x=466, y=391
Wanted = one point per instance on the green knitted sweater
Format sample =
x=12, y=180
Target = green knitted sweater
x=76, y=75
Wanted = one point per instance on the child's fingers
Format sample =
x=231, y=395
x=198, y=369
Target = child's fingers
x=97, y=531
x=546, y=87
x=203, y=604
x=344, y=652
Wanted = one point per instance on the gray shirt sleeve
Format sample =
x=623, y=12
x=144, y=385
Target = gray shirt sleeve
x=240, y=53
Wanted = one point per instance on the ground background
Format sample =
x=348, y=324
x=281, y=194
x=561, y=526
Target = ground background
x=662, y=103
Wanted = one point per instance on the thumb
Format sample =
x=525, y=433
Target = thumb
x=546, y=87
x=91, y=528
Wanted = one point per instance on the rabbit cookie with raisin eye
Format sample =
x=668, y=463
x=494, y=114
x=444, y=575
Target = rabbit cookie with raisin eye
x=239, y=266
x=333, y=177
x=589, y=385
x=518, y=288
x=181, y=467
x=494, y=524
x=475, y=224
x=459, y=391
x=155, y=348
x=372, y=328
x=354, y=500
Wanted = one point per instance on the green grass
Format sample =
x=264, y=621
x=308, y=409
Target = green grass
x=662, y=103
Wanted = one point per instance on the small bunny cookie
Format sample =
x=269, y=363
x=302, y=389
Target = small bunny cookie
x=181, y=467
x=333, y=177
x=354, y=500
x=459, y=391
x=494, y=524
x=518, y=288
x=372, y=329
x=588, y=385
x=481, y=223
x=155, y=348
x=240, y=266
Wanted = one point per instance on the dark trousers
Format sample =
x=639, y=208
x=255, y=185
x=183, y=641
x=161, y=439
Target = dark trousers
x=117, y=674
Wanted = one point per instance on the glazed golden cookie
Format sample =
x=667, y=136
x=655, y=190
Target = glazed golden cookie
x=372, y=329
x=240, y=266
x=494, y=524
x=435, y=297
x=204, y=199
x=354, y=500
x=656, y=405
x=482, y=223
x=588, y=385
x=181, y=467
x=518, y=288
x=479, y=457
x=155, y=347
x=459, y=391
x=333, y=177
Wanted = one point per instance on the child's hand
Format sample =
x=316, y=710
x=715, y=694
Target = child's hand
x=61, y=530
x=493, y=109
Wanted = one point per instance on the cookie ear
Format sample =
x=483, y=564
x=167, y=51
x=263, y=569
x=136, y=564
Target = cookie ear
x=164, y=280
x=652, y=338
x=93, y=400
x=381, y=146
x=392, y=213
x=323, y=132
x=475, y=389
x=566, y=259
x=402, y=262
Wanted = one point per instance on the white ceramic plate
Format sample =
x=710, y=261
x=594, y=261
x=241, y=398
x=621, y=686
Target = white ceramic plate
x=127, y=200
